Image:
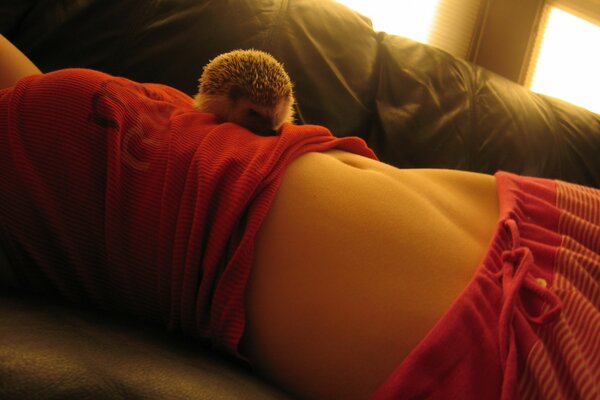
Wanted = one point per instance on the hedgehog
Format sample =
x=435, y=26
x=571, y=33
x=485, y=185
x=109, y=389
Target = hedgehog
x=249, y=88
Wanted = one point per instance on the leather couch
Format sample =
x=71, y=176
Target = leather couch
x=415, y=105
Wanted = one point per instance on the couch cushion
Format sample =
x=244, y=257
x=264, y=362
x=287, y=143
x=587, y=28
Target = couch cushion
x=52, y=349
x=415, y=105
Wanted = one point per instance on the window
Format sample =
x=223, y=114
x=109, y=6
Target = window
x=447, y=24
x=551, y=46
x=408, y=18
x=566, y=62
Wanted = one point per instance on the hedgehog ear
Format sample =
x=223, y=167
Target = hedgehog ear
x=235, y=92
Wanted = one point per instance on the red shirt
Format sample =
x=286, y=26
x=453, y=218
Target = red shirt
x=123, y=195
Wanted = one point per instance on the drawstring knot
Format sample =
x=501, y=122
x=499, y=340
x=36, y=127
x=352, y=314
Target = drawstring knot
x=516, y=278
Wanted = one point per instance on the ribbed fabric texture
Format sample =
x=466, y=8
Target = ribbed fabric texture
x=122, y=195
x=565, y=363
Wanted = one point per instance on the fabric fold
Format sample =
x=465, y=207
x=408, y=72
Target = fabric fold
x=125, y=196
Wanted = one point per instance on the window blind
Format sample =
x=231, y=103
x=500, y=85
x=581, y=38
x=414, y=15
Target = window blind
x=447, y=24
x=454, y=26
x=585, y=9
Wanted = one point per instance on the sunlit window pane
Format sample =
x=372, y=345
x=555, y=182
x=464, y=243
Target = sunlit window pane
x=568, y=63
x=446, y=24
x=408, y=18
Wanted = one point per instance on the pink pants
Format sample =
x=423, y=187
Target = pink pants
x=528, y=324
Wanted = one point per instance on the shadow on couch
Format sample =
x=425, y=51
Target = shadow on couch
x=52, y=349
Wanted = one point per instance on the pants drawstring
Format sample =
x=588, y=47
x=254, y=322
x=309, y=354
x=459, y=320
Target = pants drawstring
x=516, y=276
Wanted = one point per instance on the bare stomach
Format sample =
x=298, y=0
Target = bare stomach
x=354, y=264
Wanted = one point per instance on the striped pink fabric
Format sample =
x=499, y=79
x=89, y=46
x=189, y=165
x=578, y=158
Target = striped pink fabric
x=565, y=362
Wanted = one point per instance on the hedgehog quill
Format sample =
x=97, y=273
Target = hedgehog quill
x=249, y=88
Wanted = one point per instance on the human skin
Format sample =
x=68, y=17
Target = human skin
x=14, y=65
x=354, y=264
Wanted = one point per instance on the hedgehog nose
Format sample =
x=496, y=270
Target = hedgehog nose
x=259, y=127
x=265, y=131
x=264, y=127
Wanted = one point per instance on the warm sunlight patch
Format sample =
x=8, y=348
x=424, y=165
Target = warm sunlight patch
x=408, y=18
x=568, y=64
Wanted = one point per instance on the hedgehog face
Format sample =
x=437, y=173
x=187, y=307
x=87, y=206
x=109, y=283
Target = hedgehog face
x=262, y=120
x=258, y=119
x=247, y=87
